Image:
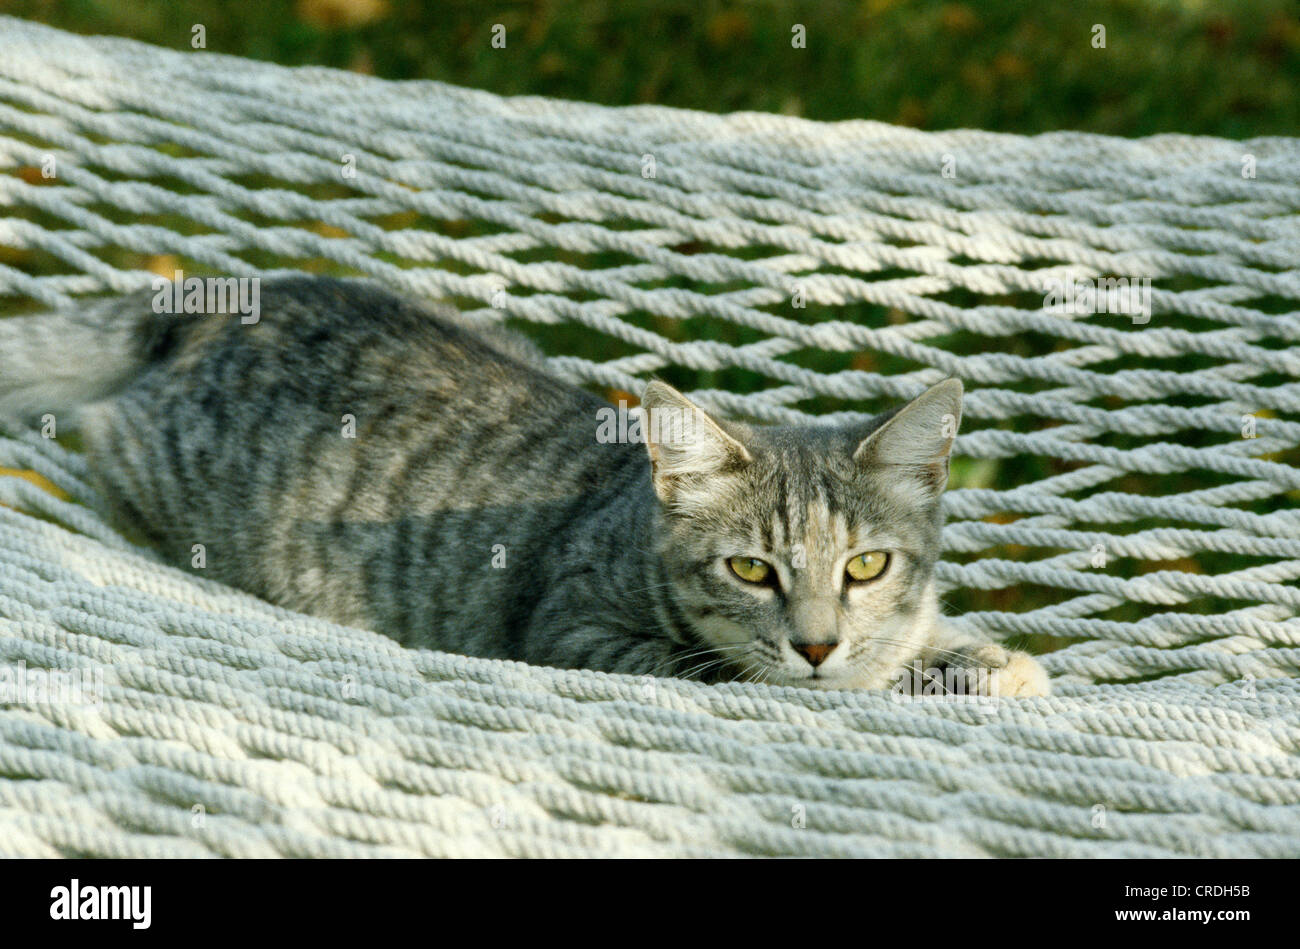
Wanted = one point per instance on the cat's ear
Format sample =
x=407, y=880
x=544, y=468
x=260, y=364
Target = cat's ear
x=919, y=436
x=683, y=441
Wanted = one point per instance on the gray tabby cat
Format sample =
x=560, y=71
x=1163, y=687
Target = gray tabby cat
x=476, y=510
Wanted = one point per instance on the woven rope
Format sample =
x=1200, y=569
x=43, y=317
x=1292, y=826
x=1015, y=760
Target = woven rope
x=229, y=727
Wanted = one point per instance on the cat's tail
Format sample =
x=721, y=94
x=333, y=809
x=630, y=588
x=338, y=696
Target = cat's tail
x=55, y=362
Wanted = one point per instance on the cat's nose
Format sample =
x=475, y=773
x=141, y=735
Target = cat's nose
x=815, y=653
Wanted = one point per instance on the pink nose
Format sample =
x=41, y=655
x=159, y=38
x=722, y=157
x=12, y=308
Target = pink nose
x=815, y=653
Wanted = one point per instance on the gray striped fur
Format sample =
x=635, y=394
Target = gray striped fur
x=476, y=510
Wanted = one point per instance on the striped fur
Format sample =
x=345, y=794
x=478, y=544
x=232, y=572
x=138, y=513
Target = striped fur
x=475, y=510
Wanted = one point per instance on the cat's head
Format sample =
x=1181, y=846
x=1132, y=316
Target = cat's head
x=801, y=555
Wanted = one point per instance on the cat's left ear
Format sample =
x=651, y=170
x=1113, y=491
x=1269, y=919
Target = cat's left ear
x=919, y=436
x=683, y=442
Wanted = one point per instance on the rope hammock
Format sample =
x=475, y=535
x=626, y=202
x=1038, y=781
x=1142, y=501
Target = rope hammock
x=1155, y=542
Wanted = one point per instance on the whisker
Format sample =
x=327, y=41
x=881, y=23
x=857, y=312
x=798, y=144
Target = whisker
x=679, y=658
x=647, y=589
x=716, y=660
x=904, y=642
x=704, y=667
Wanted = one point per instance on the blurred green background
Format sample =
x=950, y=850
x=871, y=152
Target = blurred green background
x=1221, y=68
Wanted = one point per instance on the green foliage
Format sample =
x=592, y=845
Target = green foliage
x=1223, y=68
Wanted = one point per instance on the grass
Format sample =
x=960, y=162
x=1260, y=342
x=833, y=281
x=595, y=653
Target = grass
x=1225, y=68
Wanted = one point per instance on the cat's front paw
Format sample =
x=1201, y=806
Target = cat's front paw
x=993, y=670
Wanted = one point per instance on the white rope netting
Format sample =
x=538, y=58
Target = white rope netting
x=1140, y=522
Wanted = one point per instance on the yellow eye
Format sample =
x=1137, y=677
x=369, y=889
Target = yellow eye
x=749, y=569
x=867, y=566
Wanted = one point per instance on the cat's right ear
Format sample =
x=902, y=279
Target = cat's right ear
x=683, y=442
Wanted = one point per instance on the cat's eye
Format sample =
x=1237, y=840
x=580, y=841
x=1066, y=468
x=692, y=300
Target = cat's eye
x=867, y=566
x=750, y=569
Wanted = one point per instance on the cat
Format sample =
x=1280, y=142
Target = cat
x=383, y=464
